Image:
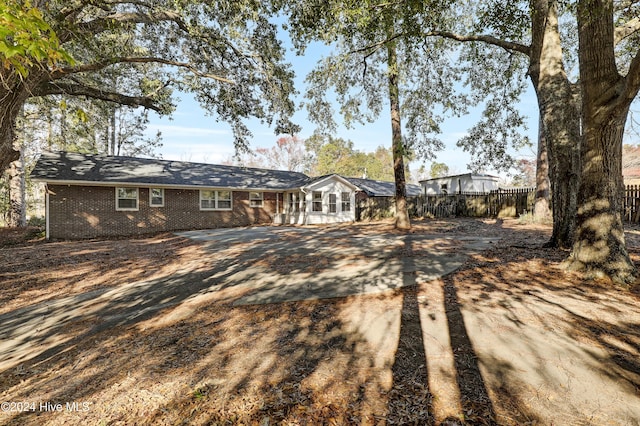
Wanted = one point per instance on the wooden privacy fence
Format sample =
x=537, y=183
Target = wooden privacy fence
x=372, y=208
x=501, y=203
x=631, y=203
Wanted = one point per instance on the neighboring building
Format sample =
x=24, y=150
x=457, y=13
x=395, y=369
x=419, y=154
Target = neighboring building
x=468, y=182
x=378, y=188
x=95, y=195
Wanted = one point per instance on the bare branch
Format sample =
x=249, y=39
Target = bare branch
x=372, y=48
x=63, y=72
x=59, y=88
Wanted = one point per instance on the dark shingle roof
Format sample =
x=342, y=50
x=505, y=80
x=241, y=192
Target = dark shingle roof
x=378, y=188
x=88, y=168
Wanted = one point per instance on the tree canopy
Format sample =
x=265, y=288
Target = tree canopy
x=228, y=54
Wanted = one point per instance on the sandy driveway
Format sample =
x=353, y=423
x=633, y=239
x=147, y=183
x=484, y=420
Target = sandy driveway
x=222, y=333
x=359, y=265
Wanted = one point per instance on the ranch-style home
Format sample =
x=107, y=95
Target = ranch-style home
x=97, y=195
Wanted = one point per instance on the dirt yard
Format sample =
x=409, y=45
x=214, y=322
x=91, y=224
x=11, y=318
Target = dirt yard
x=508, y=339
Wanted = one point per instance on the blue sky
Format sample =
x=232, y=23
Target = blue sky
x=191, y=135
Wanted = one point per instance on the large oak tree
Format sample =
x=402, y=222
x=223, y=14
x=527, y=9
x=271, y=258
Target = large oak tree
x=582, y=114
x=226, y=53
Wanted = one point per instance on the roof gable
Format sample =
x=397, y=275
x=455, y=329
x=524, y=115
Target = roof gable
x=321, y=180
x=378, y=188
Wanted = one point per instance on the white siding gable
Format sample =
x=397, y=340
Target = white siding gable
x=332, y=206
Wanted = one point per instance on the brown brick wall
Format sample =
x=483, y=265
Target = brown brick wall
x=90, y=211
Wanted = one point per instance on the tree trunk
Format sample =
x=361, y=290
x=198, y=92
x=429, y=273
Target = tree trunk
x=600, y=245
x=542, y=203
x=560, y=118
x=402, y=214
x=9, y=109
x=17, y=199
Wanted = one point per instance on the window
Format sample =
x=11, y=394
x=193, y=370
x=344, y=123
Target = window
x=294, y=205
x=224, y=199
x=443, y=188
x=332, y=203
x=126, y=199
x=317, y=201
x=156, y=197
x=255, y=199
x=215, y=200
x=346, y=201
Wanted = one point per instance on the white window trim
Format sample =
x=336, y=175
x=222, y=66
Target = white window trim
x=216, y=200
x=252, y=200
x=334, y=204
x=151, y=197
x=314, y=201
x=343, y=201
x=119, y=209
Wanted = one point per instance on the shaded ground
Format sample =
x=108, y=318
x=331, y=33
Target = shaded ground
x=507, y=339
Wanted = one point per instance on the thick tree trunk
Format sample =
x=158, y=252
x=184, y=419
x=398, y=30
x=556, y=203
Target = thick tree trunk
x=542, y=202
x=600, y=245
x=9, y=108
x=560, y=118
x=402, y=214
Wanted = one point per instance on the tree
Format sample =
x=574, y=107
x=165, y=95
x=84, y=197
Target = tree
x=606, y=98
x=337, y=155
x=438, y=170
x=576, y=114
x=630, y=159
x=525, y=172
x=289, y=153
x=371, y=69
x=226, y=53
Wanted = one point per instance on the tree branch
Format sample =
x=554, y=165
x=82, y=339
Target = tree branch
x=97, y=66
x=624, y=31
x=103, y=23
x=507, y=45
x=376, y=46
x=59, y=88
x=632, y=80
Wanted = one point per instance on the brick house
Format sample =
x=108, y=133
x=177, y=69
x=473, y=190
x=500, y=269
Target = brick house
x=90, y=196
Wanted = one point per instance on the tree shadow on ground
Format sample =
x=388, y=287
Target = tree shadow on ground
x=563, y=348
x=477, y=407
x=409, y=369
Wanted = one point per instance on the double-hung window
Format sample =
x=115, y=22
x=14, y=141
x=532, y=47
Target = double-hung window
x=346, y=201
x=156, y=197
x=127, y=199
x=256, y=199
x=215, y=200
x=333, y=203
x=317, y=201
